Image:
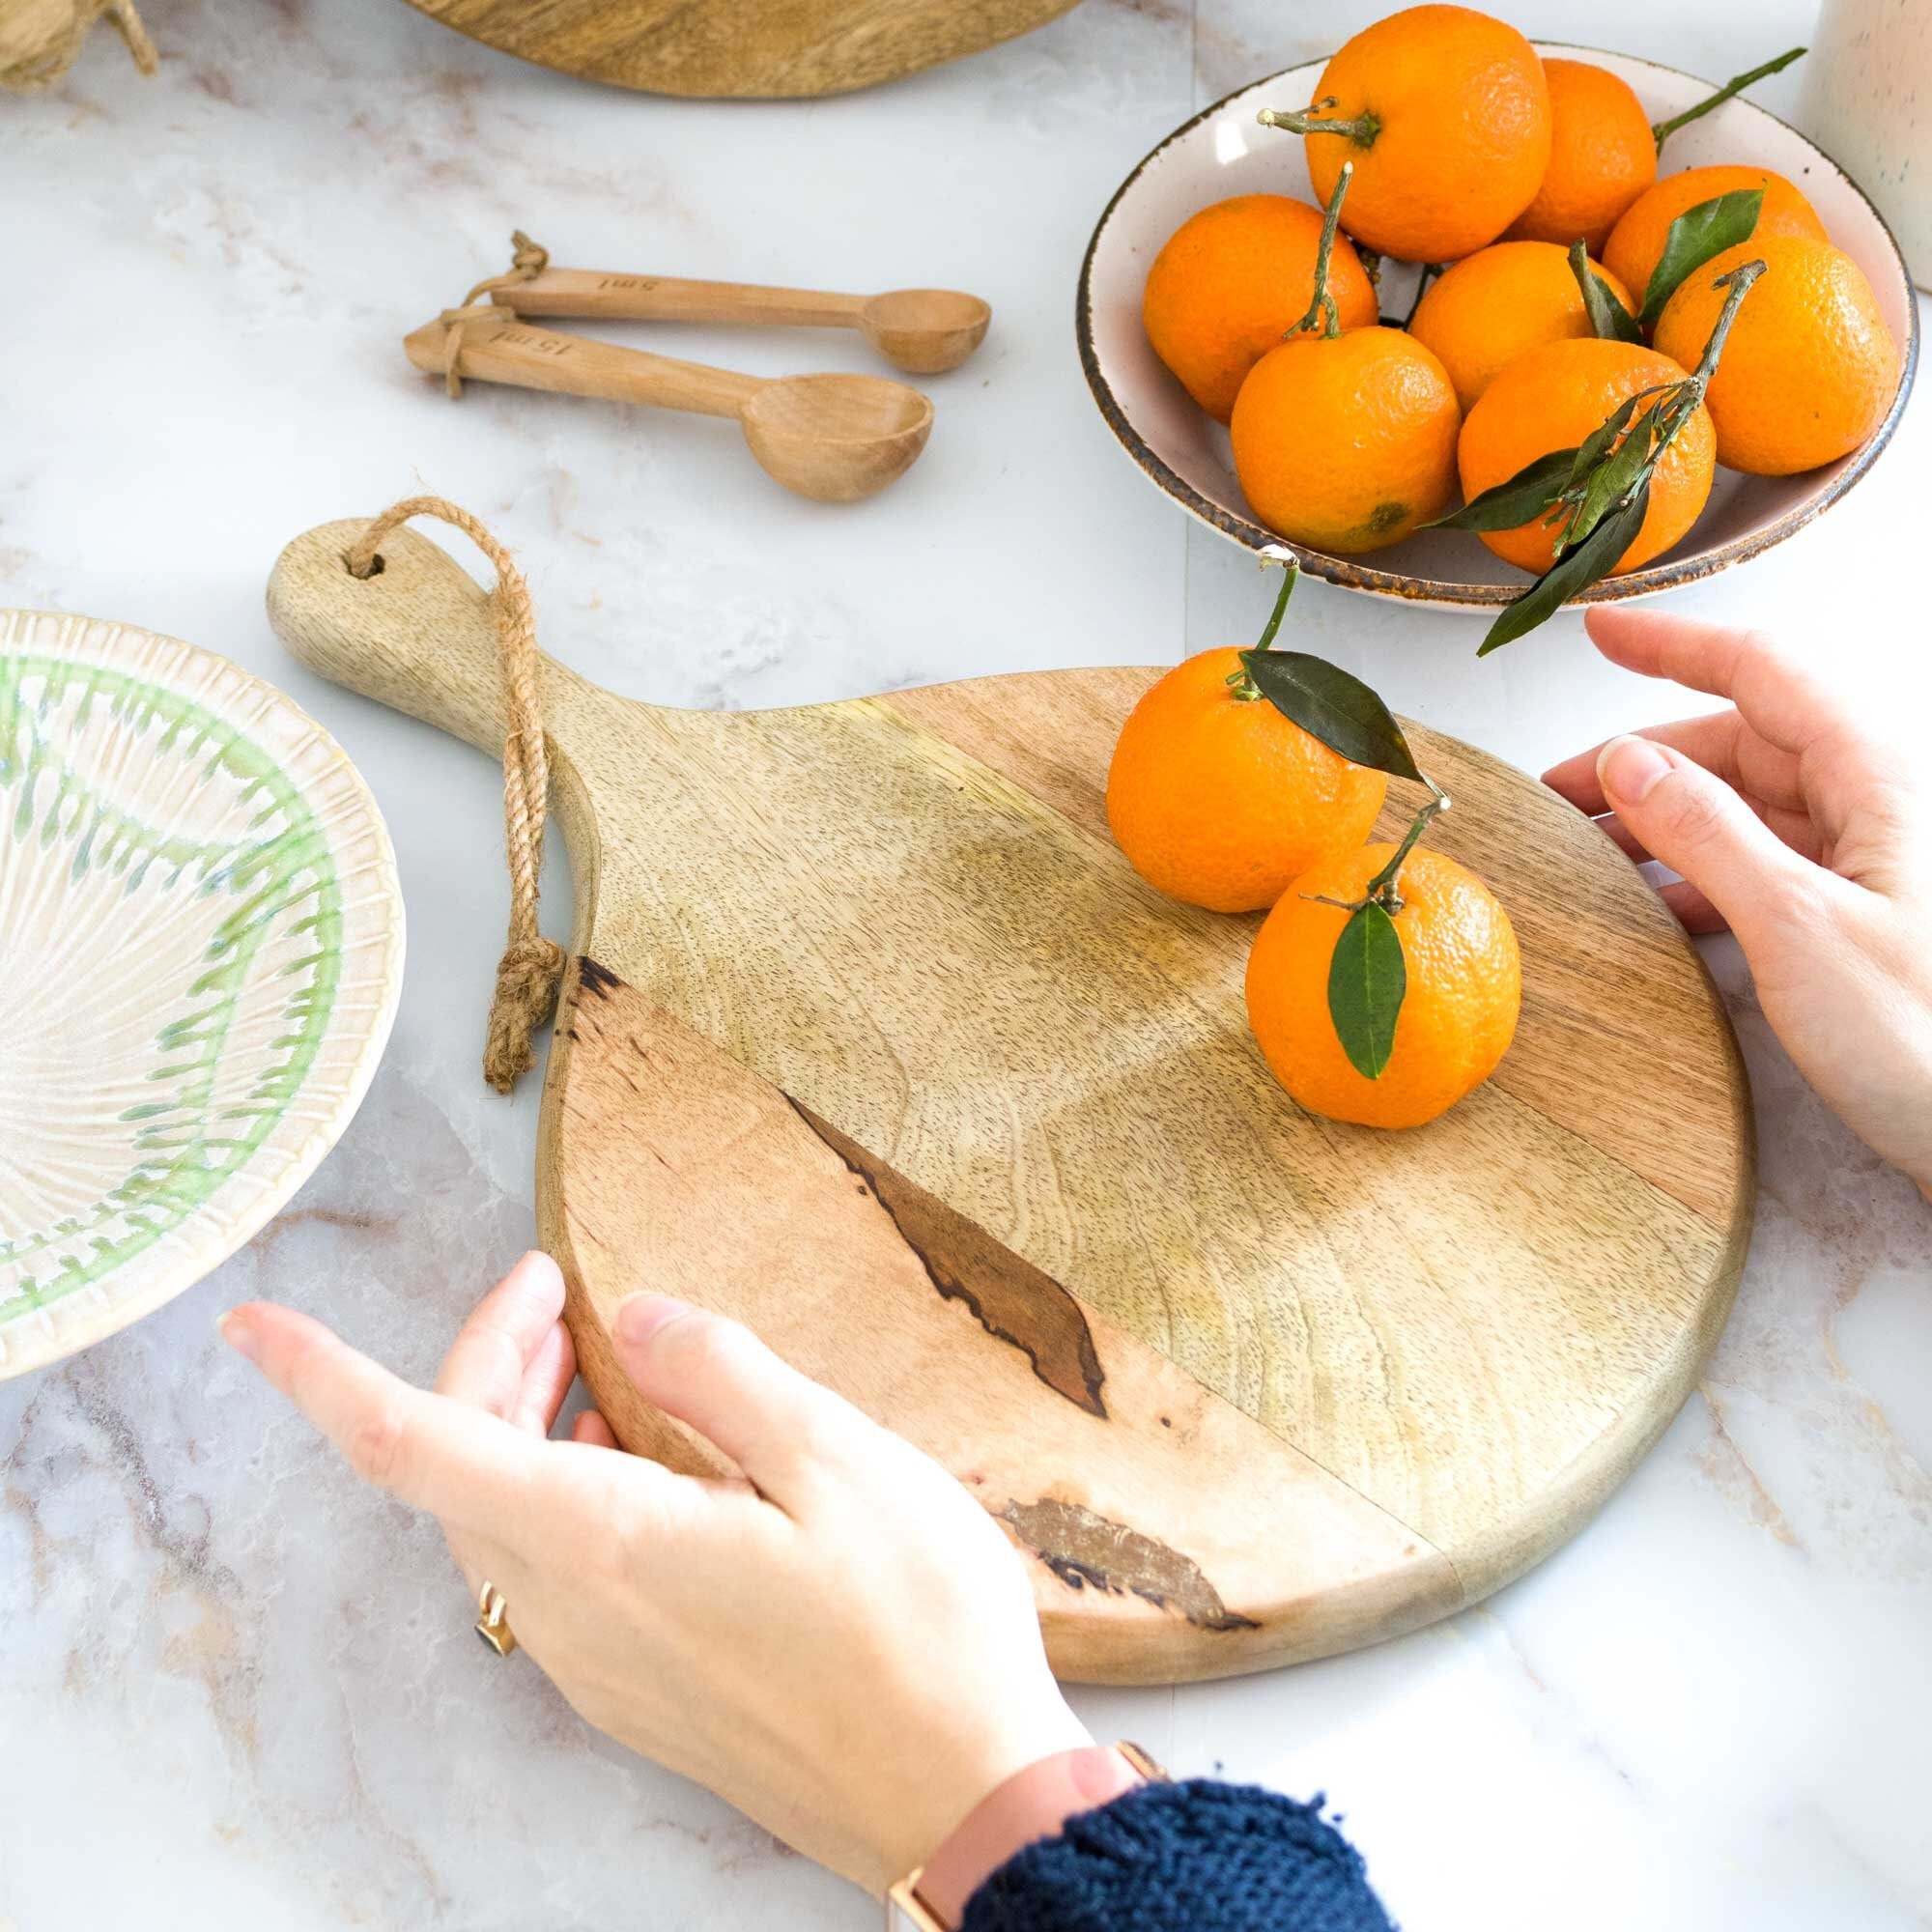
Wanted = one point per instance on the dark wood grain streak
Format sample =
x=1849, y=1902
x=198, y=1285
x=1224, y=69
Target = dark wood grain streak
x=596, y=978
x=1012, y=1300
x=1087, y=1552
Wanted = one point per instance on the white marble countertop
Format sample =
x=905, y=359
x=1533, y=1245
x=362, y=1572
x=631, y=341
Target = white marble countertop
x=235, y=1690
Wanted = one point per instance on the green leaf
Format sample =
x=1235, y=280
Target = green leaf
x=1696, y=235
x=1609, y=319
x=1610, y=482
x=1574, y=572
x=1510, y=505
x=1367, y=978
x=1596, y=445
x=1328, y=704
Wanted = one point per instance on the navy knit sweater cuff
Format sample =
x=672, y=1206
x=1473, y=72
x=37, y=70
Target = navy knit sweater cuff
x=1198, y=1856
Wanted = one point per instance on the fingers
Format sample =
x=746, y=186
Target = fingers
x=1694, y=912
x=590, y=1427
x=1696, y=825
x=1619, y=836
x=1779, y=699
x=489, y=1360
x=1795, y=829
x=776, y=1424
x=440, y=1456
x=514, y=1356
x=545, y=1382
x=1575, y=777
x=1720, y=741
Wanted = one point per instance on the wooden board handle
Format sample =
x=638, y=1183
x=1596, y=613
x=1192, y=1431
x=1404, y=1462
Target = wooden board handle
x=591, y=292
x=419, y=635
x=573, y=365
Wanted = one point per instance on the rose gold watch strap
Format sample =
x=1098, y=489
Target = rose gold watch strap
x=904, y=1913
x=1033, y=1804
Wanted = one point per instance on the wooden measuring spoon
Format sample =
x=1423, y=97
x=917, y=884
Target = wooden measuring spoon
x=835, y=438
x=923, y=331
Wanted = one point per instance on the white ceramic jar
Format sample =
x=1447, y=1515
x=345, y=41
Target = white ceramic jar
x=1867, y=103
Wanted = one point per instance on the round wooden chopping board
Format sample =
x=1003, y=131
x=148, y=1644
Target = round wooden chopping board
x=874, y=1041
x=742, y=49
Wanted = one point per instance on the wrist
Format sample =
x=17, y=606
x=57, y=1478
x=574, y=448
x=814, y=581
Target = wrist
x=953, y=1766
x=1032, y=1803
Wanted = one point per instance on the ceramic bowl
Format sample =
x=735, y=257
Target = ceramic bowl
x=1223, y=151
x=201, y=949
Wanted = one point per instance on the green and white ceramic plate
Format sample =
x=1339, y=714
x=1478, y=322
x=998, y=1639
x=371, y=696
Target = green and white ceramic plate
x=201, y=950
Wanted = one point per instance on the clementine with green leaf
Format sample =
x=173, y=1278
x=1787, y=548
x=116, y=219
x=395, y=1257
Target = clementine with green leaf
x=1218, y=797
x=1424, y=986
x=1636, y=243
x=1594, y=503
x=1555, y=397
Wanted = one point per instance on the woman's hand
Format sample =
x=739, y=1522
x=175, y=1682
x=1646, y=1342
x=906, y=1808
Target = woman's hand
x=1804, y=827
x=843, y=1644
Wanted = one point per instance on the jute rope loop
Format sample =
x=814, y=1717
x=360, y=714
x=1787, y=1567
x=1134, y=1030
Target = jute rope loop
x=528, y=261
x=532, y=968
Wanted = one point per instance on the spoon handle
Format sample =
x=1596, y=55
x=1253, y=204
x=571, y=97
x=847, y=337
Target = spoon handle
x=507, y=351
x=590, y=292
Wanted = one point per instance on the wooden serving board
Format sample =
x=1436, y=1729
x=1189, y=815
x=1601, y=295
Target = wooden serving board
x=873, y=1039
x=742, y=49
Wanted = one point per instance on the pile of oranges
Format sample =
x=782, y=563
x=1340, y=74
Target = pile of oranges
x=1220, y=797
x=1438, y=136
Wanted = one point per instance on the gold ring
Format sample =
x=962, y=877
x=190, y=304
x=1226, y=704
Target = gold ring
x=493, y=1620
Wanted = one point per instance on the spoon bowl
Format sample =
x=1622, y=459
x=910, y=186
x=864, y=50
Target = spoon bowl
x=836, y=439
x=924, y=330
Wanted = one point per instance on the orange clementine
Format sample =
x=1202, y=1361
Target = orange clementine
x=1809, y=367
x=1346, y=442
x=1490, y=307
x=1222, y=801
x=1446, y=117
x=1457, y=1014
x=1233, y=280
x=1637, y=241
x=1552, y=398
x=1602, y=157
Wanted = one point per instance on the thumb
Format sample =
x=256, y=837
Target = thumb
x=716, y=1375
x=1693, y=822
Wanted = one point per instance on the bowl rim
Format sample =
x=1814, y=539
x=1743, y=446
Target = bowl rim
x=1355, y=575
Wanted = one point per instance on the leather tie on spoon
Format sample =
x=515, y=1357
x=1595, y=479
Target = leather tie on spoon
x=922, y=330
x=833, y=437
